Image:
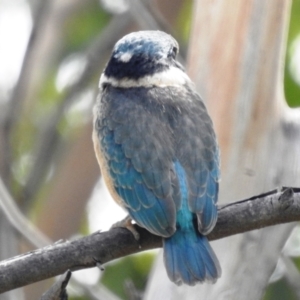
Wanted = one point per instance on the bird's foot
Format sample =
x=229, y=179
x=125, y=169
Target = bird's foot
x=126, y=223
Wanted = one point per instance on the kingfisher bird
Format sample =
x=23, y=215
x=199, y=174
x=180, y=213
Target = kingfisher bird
x=158, y=153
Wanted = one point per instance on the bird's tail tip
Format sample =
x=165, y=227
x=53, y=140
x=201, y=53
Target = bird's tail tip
x=190, y=259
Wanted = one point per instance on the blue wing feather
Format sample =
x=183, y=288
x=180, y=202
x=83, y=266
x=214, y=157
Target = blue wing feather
x=204, y=190
x=154, y=213
x=144, y=195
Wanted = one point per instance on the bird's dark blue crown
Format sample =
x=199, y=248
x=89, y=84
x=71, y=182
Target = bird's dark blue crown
x=140, y=54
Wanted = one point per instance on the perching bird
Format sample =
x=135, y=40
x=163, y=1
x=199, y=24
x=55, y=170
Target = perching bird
x=157, y=151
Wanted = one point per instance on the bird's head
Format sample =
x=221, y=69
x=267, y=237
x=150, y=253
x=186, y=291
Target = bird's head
x=144, y=58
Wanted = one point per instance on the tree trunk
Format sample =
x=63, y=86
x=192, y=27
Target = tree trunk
x=236, y=59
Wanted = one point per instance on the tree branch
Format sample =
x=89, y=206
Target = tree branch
x=275, y=207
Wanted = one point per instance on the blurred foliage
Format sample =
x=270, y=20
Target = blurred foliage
x=135, y=268
x=296, y=260
x=78, y=32
x=291, y=88
x=184, y=21
x=83, y=26
x=48, y=94
x=279, y=290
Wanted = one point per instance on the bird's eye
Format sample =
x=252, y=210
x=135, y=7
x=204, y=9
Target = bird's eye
x=173, y=52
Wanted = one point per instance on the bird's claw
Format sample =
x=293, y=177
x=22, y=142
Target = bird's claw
x=127, y=223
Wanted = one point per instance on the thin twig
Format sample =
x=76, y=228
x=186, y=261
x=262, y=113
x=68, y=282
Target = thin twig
x=58, y=290
x=19, y=221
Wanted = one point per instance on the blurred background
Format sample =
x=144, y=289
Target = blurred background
x=51, y=56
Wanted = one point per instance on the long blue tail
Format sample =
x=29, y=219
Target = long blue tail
x=188, y=256
x=190, y=259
